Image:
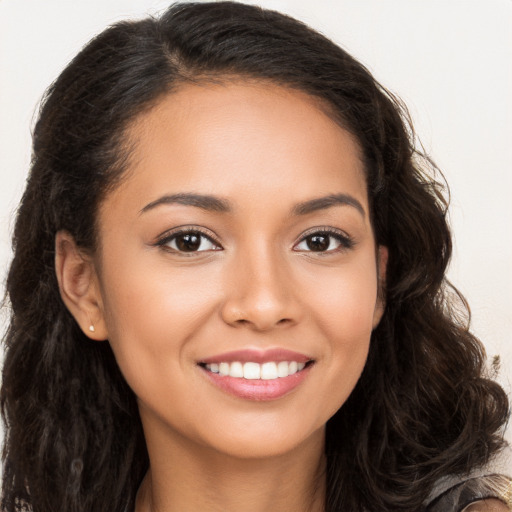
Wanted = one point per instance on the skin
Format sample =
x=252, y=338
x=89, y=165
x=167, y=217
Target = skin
x=255, y=283
x=490, y=505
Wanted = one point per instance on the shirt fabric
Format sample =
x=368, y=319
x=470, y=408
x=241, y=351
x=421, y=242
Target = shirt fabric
x=455, y=493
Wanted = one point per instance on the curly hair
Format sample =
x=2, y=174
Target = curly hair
x=423, y=407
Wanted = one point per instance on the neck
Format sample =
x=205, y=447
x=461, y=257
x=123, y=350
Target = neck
x=185, y=477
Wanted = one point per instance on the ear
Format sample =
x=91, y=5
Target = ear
x=382, y=263
x=79, y=286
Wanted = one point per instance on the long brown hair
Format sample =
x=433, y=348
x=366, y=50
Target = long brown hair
x=423, y=407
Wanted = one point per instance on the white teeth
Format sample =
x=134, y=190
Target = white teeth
x=269, y=371
x=254, y=371
x=224, y=369
x=236, y=370
x=282, y=369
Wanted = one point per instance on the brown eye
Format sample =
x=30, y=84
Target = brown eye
x=189, y=241
x=318, y=242
x=324, y=241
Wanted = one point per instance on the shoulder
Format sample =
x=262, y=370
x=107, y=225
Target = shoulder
x=491, y=482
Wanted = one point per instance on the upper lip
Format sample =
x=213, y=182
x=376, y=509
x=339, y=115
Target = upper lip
x=257, y=356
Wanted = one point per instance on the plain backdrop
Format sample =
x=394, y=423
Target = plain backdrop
x=449, y=60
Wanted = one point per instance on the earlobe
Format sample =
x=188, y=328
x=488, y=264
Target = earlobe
x=79, y=287
x=382, y=263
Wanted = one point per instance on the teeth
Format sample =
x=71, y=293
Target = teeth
x=282, y=369
x=224, y=369
x=269, y=371
x=254, y=371
x=251, y=371
x=236, y=370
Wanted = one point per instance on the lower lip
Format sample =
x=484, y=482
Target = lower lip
x=258, y=389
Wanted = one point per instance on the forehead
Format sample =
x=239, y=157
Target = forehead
x=238, y=136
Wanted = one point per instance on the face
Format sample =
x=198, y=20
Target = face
x=237, y=277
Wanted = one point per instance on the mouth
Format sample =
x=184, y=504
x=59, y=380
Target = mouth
x=255, y=371
x=257, y=375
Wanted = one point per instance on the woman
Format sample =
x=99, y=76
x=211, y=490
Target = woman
x=235, y=204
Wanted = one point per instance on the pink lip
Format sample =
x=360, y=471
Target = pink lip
x=257, y=356
x=258, y=390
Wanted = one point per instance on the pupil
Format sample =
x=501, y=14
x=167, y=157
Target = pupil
x=318, y=243
x=189, y=242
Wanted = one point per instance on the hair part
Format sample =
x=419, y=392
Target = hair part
x=423, y=407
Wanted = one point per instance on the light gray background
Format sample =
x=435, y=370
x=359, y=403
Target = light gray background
x=450, y=60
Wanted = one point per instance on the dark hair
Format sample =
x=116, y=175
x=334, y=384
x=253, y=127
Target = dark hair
x=422, y=408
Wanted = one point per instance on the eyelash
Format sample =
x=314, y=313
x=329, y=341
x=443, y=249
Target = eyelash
x=345, y=241
x=169, y=237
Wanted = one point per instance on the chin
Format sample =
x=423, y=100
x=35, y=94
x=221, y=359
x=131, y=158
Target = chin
x=264, y=440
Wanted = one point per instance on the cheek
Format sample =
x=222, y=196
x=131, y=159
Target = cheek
x=344, y=311
x=151, y=313
x=345, y=302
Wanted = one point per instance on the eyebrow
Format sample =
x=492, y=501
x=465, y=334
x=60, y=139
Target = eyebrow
x=215, y=204
x=205, y=202
x=323, y=203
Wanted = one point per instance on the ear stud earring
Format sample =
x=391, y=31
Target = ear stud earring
x=91, y=328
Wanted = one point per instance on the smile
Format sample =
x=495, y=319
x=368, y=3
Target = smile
x=257, y=375
x=253, y=371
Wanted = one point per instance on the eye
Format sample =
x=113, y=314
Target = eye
x=324, y=241
x=189, y=241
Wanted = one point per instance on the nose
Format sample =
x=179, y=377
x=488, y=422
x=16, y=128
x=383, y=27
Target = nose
x=260, y=293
